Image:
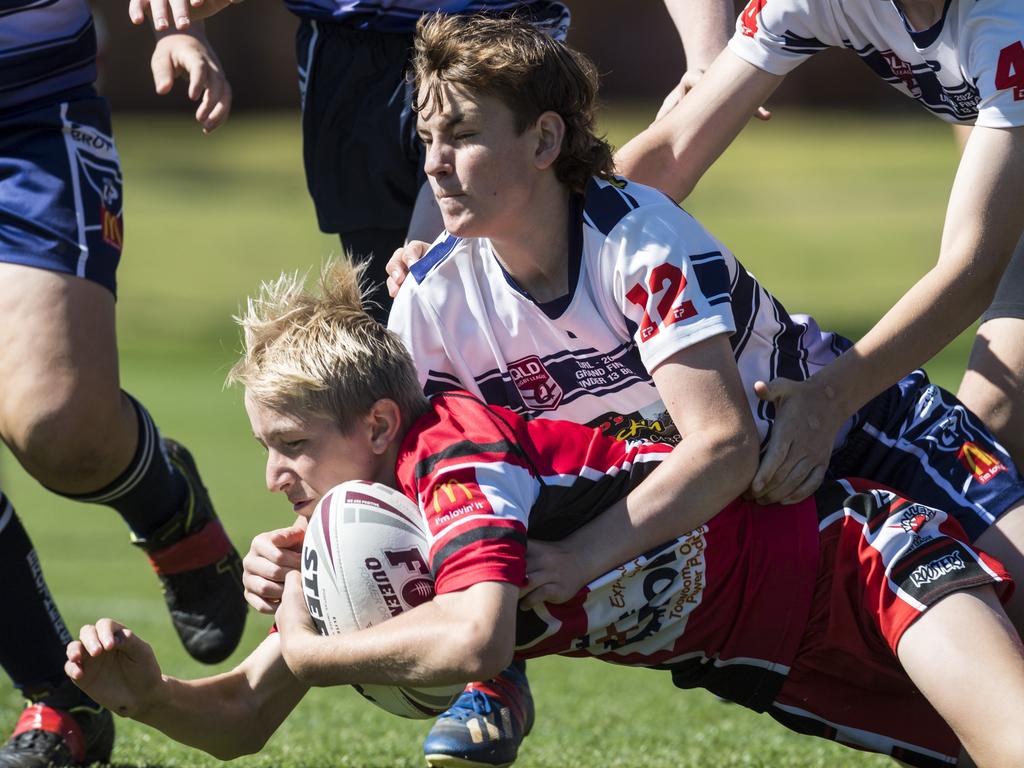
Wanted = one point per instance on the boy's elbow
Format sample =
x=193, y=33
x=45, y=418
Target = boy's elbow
x=742, y=449
x=484, y=655
x=249, y=743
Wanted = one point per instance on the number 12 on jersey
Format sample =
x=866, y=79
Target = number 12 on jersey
x=666, y=284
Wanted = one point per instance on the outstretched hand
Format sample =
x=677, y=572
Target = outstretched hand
x=189, y=56
x=553, y=574
x=114, y=666
x=807, y=421
x=271, y=557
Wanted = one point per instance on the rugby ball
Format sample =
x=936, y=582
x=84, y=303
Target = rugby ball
x=364, y=560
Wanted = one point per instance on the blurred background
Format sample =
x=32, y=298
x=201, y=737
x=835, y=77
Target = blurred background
x=836, y=206
x=633, y=42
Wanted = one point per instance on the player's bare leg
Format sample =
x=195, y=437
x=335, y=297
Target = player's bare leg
x=62, y=412
x=965, y=657
x=65, y=418
x=993, y=386
x=1004, y=540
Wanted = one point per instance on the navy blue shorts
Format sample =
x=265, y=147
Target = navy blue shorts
x=919, y=440
x=363, y=159
x=60, y=190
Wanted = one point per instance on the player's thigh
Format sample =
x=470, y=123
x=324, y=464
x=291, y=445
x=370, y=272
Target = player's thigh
x=967, y=660
x=58, y=351
x=60, y=242
x=1004, y=540
x=993, y=385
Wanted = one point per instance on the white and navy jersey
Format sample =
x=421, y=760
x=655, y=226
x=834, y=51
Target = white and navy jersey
x=401, y=16
x=968, y=68
x=46, y=47
x=647, y=280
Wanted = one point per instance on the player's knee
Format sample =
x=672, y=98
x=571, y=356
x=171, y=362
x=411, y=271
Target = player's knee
x=70, y=445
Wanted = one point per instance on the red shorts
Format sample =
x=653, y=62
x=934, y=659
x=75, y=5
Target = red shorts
x=883, y=562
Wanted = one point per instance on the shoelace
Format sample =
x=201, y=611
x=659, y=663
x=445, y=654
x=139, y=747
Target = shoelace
x=471, y=702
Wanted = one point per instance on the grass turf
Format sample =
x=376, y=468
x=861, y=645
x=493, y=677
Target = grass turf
x=835, y=213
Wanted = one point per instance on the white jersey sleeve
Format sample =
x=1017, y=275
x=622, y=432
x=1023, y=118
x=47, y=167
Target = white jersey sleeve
x=414, y=321
x=778, y=35
x=994, y=36
x=669, y=279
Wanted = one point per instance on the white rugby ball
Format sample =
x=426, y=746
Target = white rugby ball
x=364, y=560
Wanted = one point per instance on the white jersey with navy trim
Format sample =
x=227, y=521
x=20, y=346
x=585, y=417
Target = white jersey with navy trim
x=46, y=47
x=401, y=16
x=647, y=281
x=968, y=68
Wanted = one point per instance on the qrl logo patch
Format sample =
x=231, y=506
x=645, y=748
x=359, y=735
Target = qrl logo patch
x=983, y=465
x=537, y=387
x=903, y=71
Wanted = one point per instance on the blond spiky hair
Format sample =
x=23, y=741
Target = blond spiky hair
x=320, y=353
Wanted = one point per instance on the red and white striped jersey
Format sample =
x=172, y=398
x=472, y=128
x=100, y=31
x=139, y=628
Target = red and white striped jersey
x=968, y=68
x=728, y=600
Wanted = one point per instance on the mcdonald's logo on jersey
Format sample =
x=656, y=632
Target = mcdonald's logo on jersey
x=983, y=465
x=450, y=492
x=111, y=228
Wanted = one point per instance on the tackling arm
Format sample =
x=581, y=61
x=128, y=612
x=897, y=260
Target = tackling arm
x=674, y=152
x=453, y=638
x=983, y=225
x=711, y=466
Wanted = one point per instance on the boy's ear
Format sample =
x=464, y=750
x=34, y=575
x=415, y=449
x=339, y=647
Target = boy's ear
x=550, y=129
x=384, y=423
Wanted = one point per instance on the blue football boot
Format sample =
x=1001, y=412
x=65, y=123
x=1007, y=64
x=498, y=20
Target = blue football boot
x=485, y=725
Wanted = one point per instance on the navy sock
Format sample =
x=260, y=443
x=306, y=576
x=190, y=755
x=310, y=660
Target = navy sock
x=149, y=491
x=34, y=637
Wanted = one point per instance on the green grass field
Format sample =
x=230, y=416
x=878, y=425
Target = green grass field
x=836, y=214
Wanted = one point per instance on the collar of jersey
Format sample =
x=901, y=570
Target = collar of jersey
x=557, y=307
x=926, y=37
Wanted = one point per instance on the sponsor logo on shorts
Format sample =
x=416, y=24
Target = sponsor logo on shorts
x=936, y=569
x=914, y=518
x=90, y=139
x=982, y=464
x=537, y=387
x=111, y=228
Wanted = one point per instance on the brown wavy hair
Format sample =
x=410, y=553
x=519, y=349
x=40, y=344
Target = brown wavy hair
x=528, y=71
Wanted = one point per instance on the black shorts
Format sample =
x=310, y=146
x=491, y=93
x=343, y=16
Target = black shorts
x=363, y=159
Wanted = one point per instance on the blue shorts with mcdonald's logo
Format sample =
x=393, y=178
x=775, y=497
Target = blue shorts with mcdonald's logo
x=61, y=188
x=919, y=440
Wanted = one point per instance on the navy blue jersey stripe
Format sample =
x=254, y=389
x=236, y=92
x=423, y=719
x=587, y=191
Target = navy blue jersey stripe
x=434, y=256
x=712, y=276
x=606, y=206
x=746, y=301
